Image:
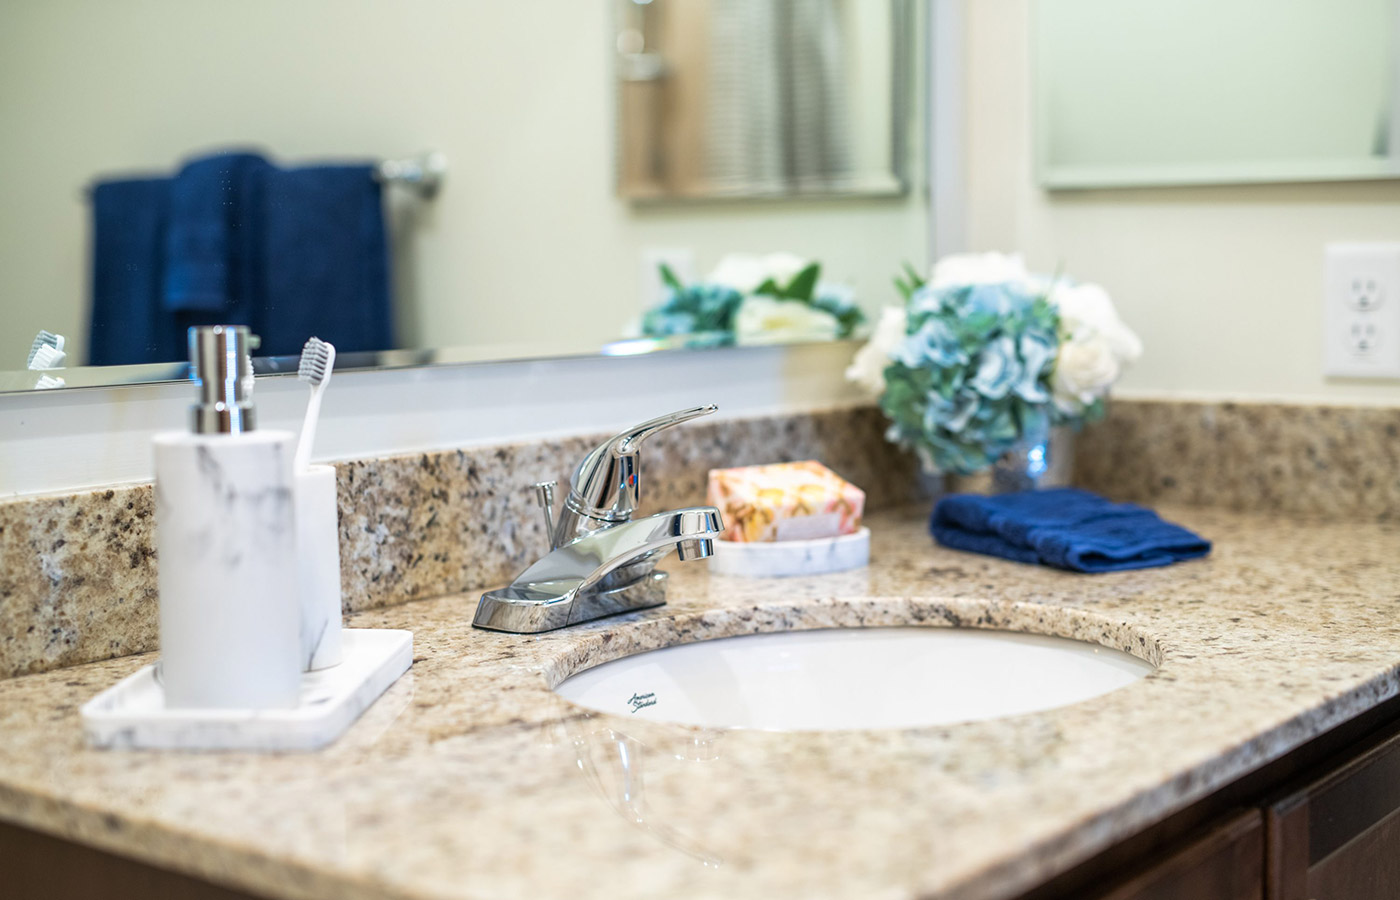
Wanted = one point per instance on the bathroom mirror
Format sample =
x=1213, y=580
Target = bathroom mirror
x=436, y=181
x=734, y=98
x=1159, y=92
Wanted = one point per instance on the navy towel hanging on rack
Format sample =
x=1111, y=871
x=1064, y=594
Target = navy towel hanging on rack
x=290, y=252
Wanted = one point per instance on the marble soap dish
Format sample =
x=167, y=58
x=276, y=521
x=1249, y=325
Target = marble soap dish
x=774, y=559
x=132, y=713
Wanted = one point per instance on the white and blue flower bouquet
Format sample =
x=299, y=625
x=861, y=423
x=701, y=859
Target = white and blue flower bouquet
x=984, y=357
x=749, y=299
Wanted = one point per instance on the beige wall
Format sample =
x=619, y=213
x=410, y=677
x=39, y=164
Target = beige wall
x=527, y=239
x=1223, y=284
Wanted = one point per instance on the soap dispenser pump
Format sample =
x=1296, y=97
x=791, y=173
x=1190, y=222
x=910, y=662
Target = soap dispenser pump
x=226, y=542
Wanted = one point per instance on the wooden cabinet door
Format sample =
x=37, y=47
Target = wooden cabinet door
x=35, y=866
x=1337, y=837
x=1226, y=863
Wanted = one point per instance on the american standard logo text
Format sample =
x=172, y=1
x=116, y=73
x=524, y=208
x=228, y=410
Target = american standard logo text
x=641, y=701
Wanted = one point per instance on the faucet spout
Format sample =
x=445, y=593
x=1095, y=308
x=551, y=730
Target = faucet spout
x=606, y=485
x=600, y=573
x=601, y=560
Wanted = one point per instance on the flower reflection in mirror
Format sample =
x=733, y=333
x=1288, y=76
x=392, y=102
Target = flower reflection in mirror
x=749, y=299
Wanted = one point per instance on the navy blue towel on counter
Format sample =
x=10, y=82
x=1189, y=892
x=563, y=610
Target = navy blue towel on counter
x=1063, y=527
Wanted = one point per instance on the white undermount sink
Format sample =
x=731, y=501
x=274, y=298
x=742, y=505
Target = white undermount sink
x=853, y=678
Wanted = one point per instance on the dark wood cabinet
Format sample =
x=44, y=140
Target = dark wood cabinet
x=1224, y=863
x=1336, y=835
x=36, y=866
x=1320, y=823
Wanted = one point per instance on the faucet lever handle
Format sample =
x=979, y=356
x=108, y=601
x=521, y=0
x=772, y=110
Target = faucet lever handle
x=606, y=483
x=544, y=495
x=627, y=441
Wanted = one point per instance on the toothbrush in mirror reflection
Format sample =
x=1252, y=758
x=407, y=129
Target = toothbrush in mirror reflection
x=317, y=360
x=47, y=351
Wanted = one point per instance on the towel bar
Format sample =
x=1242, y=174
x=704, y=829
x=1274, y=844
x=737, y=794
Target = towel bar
x=423, y=173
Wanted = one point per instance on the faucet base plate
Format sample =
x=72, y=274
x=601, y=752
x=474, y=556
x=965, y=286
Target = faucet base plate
x=517, y=612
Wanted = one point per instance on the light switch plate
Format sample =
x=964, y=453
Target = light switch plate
x=1361, y=311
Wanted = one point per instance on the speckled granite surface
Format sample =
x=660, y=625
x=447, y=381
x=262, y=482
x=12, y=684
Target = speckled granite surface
x=78, y=576
x=470, y=779
x=1339, y=461
x=77, y=573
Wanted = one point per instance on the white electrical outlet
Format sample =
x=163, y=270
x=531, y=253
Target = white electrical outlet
x=1361, y=325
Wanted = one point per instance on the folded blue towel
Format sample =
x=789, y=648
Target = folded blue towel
x=214, y=236
x=1063, y=527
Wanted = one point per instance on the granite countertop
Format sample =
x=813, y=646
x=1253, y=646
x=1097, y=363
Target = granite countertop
x=470, y=778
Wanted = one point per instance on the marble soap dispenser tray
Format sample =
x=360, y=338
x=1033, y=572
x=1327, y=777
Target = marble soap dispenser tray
x=132, y=713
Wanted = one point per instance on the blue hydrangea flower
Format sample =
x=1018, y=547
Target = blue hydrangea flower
x=708, y=310
x=998, y=368
x=990, y=299
x=971, y=377
x=697, y=309
x=933, y=344
x=840, y=301
x=1037, y=352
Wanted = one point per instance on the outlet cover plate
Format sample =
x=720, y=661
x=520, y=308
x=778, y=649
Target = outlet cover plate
x=1361, y=310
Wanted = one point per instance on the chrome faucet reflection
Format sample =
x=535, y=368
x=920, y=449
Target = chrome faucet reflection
x=615, y=765
x=601, y=561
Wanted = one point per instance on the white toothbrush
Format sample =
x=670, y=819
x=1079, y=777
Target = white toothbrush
x=47, y=351
x=317, y=360
x=47, y=382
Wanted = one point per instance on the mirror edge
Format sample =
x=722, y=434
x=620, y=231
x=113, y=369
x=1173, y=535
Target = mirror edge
x=89, y=377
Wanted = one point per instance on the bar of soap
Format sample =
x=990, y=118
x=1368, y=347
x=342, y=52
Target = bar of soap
x=785, y=502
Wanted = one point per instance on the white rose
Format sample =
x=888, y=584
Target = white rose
x=1087, y=311
x=741, y=271
x=765, y=320
x=783, y=267
x=1084, y=370
x=978, y=268
x=867, y=369
x=744, y=272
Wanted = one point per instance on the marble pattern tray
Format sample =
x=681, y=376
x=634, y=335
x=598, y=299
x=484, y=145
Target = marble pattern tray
x=779, y=559
x=132, y=714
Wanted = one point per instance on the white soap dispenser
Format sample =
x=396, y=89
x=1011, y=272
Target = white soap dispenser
x=226, y=542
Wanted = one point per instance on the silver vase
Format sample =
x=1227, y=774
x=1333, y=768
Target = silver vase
x=1038, y=461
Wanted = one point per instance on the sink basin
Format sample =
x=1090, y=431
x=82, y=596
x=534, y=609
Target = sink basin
x=853, y=678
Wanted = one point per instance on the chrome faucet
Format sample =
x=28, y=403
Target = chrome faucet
x=601, y=561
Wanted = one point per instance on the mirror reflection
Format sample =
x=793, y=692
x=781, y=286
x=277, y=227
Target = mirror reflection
x=615, y=764
x=1200, y=91
x=442, y=175
x=742, y=98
